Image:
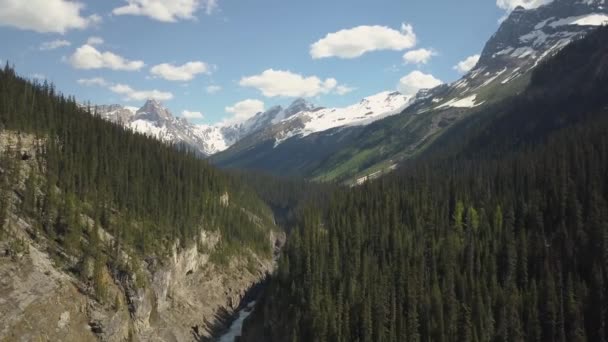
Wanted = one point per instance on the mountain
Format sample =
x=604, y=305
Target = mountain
x=501, y=234
x=525, y=39
x=294, y=144
x=300, y=118
x=107, y=235
x=155, y=120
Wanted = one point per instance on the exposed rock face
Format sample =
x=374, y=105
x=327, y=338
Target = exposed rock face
x=42, y=299
x=115, y=113
x=154, y=119
x=39, y=302
x=189, y=291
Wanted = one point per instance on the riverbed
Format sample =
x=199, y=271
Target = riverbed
x=236, y=328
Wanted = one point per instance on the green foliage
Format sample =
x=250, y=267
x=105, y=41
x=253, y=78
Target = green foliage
x=504, y=239
x=145, y=193
x=403, y=266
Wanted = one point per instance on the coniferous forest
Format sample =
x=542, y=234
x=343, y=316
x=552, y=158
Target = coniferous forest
x=145, y=193
x=499, y=233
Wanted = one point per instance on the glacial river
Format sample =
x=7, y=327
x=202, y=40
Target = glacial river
x=236, y=327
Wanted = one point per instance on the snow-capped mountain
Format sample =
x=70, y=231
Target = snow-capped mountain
x=314, y=120
x=328, y=144
x=223, y=135
x=298, y=119
x=116, y=113
x=523, y=41
x=155, y=120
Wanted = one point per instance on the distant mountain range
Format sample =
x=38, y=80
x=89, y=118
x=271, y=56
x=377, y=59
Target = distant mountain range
x=371, y=137
x=354, y=153
x=299, y=119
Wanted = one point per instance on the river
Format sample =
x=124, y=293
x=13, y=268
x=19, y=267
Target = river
x=236, y=327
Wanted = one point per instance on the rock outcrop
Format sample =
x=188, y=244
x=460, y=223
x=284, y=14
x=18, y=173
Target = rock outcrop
x=178, y=297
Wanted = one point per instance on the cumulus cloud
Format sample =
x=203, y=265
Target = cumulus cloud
x=416, y=80
x=192, y=115
x=467, y=64
x=185, y=72
x=45, y=16
x=94, y=41
x=54, y=44
x=166, y=10
x=130, y=94
x=88, y=57
x=243, y=110
x=212, y=89
x=95, y=81
x=355, y=42
x=343, y=90
x=420, y=56
x=509, y=5
x=285, y=83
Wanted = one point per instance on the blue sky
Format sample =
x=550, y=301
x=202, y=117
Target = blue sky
x=243, y=55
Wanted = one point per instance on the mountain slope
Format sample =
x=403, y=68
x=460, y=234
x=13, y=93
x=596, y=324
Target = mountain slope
x=110, y=235
x=502, y=236
x=296, y=144
x=155, y=120
x=524, y=40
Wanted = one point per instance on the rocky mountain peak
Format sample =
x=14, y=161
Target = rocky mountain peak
x=297, y=106
x=528, y=36
x=154, y=110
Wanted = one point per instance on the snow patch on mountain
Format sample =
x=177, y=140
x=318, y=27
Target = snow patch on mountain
x=467, y=102
x=595, y=19
x=154, y=120
x=368, y=110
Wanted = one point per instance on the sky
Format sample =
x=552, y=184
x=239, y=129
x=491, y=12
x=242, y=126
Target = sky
x=221, y=61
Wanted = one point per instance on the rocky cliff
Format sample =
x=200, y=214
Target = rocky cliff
x=184, y=296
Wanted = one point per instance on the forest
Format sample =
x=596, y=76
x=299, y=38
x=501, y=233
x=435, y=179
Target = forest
x=147, y=194
x=498, y=233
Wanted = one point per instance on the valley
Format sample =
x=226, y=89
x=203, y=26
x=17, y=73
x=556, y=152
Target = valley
x=473, y=209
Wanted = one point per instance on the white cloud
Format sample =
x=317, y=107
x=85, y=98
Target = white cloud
x=185, y=72
x=212, y=89
x=95, y=81
x=467, y=64
x=416, y=80
x=285, y=83
x=166, y=10
x=88, y=57
x=244, y=110
x=192, y=115
x=54, y=44
x=45, y=16
x=210, y=6
x=39, y=77
x=509, y=5
x=343, y=90
x=131, y=94
x=420, y=56
x=128, y=93
x=359, y=40
x=94, y=41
